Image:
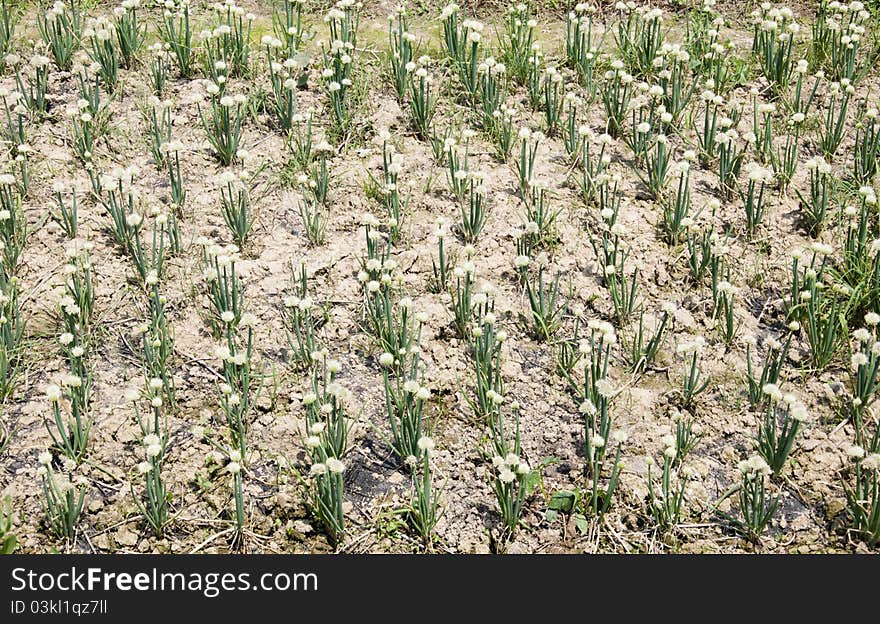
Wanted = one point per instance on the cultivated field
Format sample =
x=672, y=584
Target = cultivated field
x=285, y=276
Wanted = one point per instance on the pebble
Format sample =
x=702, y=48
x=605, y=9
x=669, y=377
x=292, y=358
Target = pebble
x=126, y=537
x=395, y=478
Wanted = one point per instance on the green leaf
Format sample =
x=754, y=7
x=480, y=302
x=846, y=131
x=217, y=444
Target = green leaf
x=531, y=481
x=303, y=60
x=547, y=461
x=563, y=500
x=551, y=515
x=580, y=523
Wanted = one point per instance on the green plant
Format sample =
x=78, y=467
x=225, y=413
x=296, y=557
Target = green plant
x=753, y=198
x=100, y=34
x=422, y=102
x=225, y=292
x=328, y=494
x=676, y=210
x=773, y=43
x=454, y=39
x=643, y=127
x=673, y=67
x=236, y=204
x=581, y=51
x=234, y=468
x=639, y=35
x=157, y=340
x=85, y=131
x=8, y=540
x=440, y=268
x=593, y=181
x=149, y=258
x=63, y=497
x=400, y=51
x=338, y=65
x=314, y=220
x=501, y=130
x=300, y=141
x=666, y=505
x=300, y=320
x=705, y=252
x=779, y=427
x=394, y=325
x=9, y=18
x=864, y=366
x=16, y=116
x=730, y=159
x=388, y=188
x=513, y=479
x=597, y=499
x=863, y=495
x=801, y=101
x=159, y=65
x=616, y=94
x=283, y=76
x=525, y=168
x=657, y=165
x=713, y=115
x=642, y=353
x=224, y=125
x=623, y=289
x=424, y=508
x=571, y=130
x=130, y=32
x=517, y=39
x=548, y=305
x=228, y=45
x=34, y=84
x=287, y=23
x=756, y=507
x=784, y=160
x=597, y=391
x=473, y=211
x=817, y=310
x=866, y=147
x=467, y=55
x=833, y=125
x=814, y=207
x=533, y=80
x=242, y=383
x=60, y=27
x=552, y=88
x=154, y=506
x=13, y=228
x=171, y=157
x=70, y=434
x=487, y=341
x=771, y=370
x=325, y=407
x=538, y=217
x=686, y=437
x=78, y=303
x=694, y=382
x=724, y=296
x=177, y=35
x=405, y=400
x=457, y=164
x=837, y=35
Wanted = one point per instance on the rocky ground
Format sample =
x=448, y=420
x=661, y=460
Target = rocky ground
x=810, y=518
